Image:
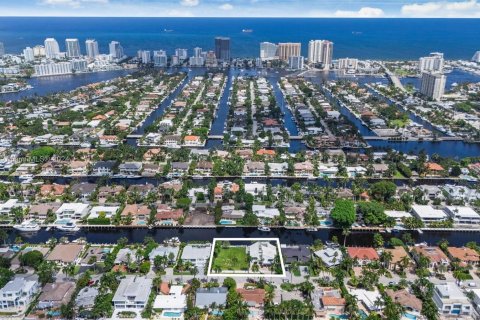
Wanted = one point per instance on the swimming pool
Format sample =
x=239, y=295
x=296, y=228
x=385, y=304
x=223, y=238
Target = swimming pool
x=226, y=221
x=326, y=223
x=410, y=316
x=172, y=314
x=338, y=316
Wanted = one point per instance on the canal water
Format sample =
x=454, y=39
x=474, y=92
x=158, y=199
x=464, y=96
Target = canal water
x=289, y=236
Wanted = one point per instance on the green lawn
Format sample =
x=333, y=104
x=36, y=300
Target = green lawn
x=231, y=258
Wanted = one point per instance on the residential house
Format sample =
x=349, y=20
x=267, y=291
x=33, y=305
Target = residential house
x=363, y=255
x=406, y=299
x=262, y=252
x=464, y=255
x=74, y=211
x=205, y=297
x=139, y=213
x=296, y=253
x=179, y=169
x=253, y=297
x=463, y=215
x=436, y=257
x=171, y=299
x=253, y=168
x=103, y=168
x=303, y=169
x=330, y=256
x=78, y=168
x=18, y=293
x=65, y=253
x=86, y=298
x=130, y=168
x=56, y=294
x=132, y=293
x=451, y=301
x=197, y=254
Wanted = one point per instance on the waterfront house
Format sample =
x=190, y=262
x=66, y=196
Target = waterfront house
x=179, y=169
x=130, y=168
x=278, y=169
x=434, y=169
x=83, y=190
x=107, y=212
x=56, y=294
x=204, y=168
x=205, y=297
x=296, y=253
x=141, y=189
x=192, y=141
x=65, y=253
x=172, y=141
x=52, y=190
x=267, y=153
x=152, y=154
x=463, y=215
x=168, y=216
x=262, y=252
x=107, y=193
x=103, y=168
x=253, y=168
x=197, y=254
x=435, y=256
x=363, y=255
x=151, y=170
x=330, y=256
x=451, y=301
x=75, y=211
x=303, y=169
x=263, y=212
x=78, y=168
x=369, y=299
x=139, y=213
x=428, y=214
x=40, y=211
x=18, y=293
x=399, y=254
x=132, y=293
x=126, y=256
x=464, y=255
x=164, y=251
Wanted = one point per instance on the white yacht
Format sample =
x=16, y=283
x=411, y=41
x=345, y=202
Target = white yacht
x=68, y=227
x=263, y=228
x=27, y=226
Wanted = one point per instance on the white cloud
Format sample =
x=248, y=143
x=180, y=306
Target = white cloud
x=190, y=3
x=365, y=12
x=179, y=13
x=71, y=3
x=443, y=9
x=226, y=6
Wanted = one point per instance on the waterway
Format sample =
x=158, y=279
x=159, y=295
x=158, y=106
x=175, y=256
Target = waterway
x=290, y=236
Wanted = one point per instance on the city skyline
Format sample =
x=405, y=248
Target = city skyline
x=245, y=8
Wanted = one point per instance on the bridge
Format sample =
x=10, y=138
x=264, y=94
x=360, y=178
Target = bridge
x=393, y=78
x=134, y=136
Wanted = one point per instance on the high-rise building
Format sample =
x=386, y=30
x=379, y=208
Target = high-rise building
x=222, y=48
x=160, y=58
x=182, y=54
x=476, y=57
x=28, y=54
x=289, y=49
x=52, y=49
x=268, y=50
x=197, y=52
x=320, y=51
x=91, y=45
x=433, y=85
x=2, y=49
x=175, y=60
x=211, y=59
x=145, y=56
x=39, y=51
x=433, y=63
x=50, y=69
x=73, y=48
x=347, y=64
x=79, y=65
x=116, y=50
x=295, y=62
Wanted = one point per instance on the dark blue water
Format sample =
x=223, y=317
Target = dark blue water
x=361, y=38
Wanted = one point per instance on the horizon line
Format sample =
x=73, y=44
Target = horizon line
x=241, y=17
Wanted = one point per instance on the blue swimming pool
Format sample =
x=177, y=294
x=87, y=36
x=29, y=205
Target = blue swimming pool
x=410, y=316
x=326, y=223
x=172, y=314
x=226, y=221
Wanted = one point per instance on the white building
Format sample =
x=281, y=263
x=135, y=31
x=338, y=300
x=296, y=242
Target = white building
x=18, y=293
x=397, y=215
x=320, y=51
x=116, y=50
x=368, y=298
x=198, y=254
x=330, y=256
x=428, y=214
x=160, y=58
x=433, y=63
x=91, y=46
x=295, y=62
x=463, y=215
x=347, y=64
x=105, y=211
x=53, y=68
x=28, y=54
x=52, y=49
x=132, y=293
x=182, y=54
x=73, y=48
x=262, y=252
x=145, y=56
x=450, y=300
x=73, y=210
x=39, y=51
x=433, y=85
x=174, y=301
x=268, y=51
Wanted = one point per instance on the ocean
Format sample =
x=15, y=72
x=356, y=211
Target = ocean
x=387, y=39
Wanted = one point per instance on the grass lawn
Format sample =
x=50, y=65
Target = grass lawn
x=399, y=123
x=231, y=258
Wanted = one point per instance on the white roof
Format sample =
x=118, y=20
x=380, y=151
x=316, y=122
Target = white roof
x=428, y=212
x=98, y=209
x=368, y=298
x=76, y=207
x=397, y=214
x=463, y=212
x=174, y=300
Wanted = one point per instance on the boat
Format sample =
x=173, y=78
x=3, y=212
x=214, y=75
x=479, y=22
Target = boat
x=27, y=226
x=68, y=227
x=263, y=228
x=26, y=177
x=312, y=229
x=247, y=30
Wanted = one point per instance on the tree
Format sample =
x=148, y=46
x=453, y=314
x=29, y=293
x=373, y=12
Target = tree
x=383, y=190
x=378, y=241
x=45, y=271
x=373, y=212
x=343, y=214
x=31, y=259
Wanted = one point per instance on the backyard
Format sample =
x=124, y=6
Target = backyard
x=227, y=257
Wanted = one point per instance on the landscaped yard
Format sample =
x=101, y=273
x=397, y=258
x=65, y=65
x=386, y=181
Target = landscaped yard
x=230, y=258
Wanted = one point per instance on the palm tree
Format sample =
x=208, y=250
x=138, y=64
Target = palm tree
x=345, y=233
x=386, y=258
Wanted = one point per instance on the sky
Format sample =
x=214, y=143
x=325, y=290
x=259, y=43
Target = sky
x=244, y=8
